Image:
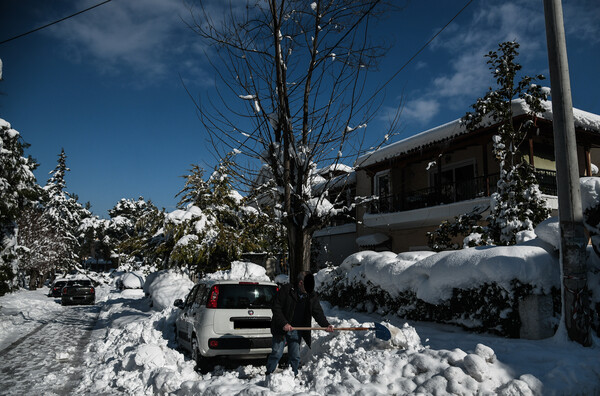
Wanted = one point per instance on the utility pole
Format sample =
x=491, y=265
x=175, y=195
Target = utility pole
x=573, y=240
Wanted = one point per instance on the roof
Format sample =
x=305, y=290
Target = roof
x=583, y=120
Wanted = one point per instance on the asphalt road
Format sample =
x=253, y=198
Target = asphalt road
x=50, y=359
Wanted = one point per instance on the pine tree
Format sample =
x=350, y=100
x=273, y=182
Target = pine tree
x=18, y=187
x=61, y=217
x=517, y=205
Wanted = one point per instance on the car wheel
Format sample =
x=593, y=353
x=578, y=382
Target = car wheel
x=202, y=363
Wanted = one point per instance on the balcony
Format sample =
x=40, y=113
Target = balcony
x=453, y=192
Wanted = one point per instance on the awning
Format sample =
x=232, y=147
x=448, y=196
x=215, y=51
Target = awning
x=372, y=239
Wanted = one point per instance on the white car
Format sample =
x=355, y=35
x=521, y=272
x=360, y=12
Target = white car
x=226, y=318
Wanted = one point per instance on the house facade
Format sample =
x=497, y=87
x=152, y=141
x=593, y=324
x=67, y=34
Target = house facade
x=447, y=171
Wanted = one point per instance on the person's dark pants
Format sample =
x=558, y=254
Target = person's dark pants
x=293, y=343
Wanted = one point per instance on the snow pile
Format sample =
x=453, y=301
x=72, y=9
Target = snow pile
x=241, y=270
x=357, y=363
x=405, y=337
x=132, y=280
x=549, y=232
x=433, y=276
x=167, y=286
x=133, y=351
x=590, y=192
x=132, y=355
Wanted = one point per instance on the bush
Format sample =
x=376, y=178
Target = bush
x=487, y=308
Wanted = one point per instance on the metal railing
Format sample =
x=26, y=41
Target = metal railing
x=446, y=193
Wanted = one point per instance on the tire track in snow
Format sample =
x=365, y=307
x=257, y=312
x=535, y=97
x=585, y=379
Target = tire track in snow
x=49, y=360
x=20, y=340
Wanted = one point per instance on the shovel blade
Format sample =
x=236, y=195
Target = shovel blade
x=382, y=332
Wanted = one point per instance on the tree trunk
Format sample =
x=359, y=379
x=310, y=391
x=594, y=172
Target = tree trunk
x=33, y=279
x=299, y=241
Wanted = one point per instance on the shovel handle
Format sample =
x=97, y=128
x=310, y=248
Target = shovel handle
x=334, y=329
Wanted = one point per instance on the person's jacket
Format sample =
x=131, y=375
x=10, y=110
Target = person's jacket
x=283, y=311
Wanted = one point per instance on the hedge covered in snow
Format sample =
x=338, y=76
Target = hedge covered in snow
x=477, y=288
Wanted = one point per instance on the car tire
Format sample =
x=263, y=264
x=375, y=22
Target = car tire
x=202, y=363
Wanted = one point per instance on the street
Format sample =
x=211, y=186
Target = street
x=49, y=360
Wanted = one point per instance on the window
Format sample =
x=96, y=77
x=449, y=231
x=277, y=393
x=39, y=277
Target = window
x=383, y=189
x=456, y=182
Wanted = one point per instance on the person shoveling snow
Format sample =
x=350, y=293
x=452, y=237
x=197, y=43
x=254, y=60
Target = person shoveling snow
x=294, y=306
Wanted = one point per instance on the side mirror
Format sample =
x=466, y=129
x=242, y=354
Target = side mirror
x=178, y=303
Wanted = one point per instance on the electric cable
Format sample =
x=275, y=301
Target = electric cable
x=54, y=23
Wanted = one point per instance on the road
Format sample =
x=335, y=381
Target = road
x=50, y=359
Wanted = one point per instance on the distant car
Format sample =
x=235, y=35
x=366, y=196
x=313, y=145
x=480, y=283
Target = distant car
x=78, y=291
x=226, y=319
x=56, y=287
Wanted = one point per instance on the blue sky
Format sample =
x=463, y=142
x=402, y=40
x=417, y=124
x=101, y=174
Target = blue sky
x=106, y=85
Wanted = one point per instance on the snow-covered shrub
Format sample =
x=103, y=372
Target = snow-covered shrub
x=477, y=288
x=167, y=286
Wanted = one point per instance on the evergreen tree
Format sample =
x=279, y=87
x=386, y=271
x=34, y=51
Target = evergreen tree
x=196, y=190
x=18, y=187
x=213, y=226
x=61, y=218
x=517, y=205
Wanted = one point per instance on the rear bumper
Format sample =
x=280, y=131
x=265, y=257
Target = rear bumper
x=238, y=346
x=86, y=299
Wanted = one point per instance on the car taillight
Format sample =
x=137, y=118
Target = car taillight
x=92, y=290
x=213, y=344
x=248, y=283
x=64, y=290
x=213, y=297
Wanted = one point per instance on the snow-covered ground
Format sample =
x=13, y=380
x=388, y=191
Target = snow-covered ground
x=132, y=351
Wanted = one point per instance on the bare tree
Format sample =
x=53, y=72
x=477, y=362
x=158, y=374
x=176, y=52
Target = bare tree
x=293, y=91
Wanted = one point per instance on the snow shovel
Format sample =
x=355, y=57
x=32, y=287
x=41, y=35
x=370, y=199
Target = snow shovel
x=381, y=331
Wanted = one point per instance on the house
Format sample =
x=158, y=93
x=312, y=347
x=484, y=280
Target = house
x=446, y=171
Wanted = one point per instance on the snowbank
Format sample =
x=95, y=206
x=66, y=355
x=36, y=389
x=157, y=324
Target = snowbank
x=167, y=286
x=433, y=276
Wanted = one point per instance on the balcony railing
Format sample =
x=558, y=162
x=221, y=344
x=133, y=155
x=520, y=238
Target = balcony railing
x=453, y=192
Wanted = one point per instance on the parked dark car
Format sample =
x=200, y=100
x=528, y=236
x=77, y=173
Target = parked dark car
x=79, y=291
x=56, y=288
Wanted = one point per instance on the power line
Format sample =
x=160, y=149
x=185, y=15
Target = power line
x=55, y=22
x=427, y=43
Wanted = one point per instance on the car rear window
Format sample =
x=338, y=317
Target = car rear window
x=246, y=296
x=85, y=283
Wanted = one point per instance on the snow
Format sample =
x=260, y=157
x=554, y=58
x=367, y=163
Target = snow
x=166, y=287
x=590, y=192
x=241, y=271
x=371, y=239
x=434, y=277
x=132, y=351
x=549, y=232
x=179, y=216
x=582, y=119
x=132, y=280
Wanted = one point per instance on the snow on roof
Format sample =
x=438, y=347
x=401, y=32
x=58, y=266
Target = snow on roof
x=371, y=239
x=583, y=119
x=335, y=168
